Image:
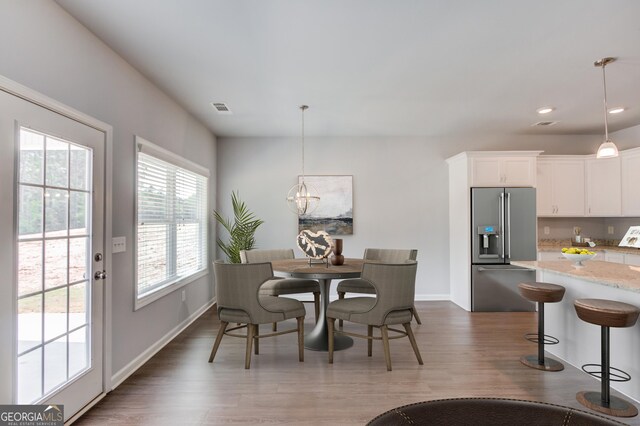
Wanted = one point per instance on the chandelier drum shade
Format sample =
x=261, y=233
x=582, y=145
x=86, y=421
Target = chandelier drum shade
x=607, y=149
x=302, y=198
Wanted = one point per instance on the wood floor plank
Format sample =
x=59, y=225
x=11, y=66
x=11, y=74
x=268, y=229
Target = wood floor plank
x=465, y=355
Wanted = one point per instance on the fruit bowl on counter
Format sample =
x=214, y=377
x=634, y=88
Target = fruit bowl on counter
x=578, y=255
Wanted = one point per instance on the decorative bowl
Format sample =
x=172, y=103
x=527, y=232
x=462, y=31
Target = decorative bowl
x=579, y=258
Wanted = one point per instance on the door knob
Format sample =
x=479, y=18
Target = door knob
x=100, y=275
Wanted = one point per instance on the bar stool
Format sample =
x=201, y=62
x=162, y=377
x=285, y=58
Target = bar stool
x=606, y=313
x=541, y=293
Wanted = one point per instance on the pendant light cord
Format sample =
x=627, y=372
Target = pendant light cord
x=606, y=122
x=303, y=108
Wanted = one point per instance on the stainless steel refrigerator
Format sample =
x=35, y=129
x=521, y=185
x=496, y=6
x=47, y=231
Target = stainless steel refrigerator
x=503, y=228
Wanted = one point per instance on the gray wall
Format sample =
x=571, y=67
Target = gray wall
x=400, y=188
x=47, y=50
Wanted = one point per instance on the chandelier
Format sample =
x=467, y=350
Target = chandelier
x=302, y=198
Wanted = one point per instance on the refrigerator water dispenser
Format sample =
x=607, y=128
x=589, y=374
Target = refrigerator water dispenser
x=488, y=242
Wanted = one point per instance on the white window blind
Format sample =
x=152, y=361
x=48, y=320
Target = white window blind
x=171, y=222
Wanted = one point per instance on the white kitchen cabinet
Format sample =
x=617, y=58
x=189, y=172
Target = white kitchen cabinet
x=630, y=177
x=632, y=259
x=498, y=169
x=603, y=187
x=560, y=186
x=612, y=256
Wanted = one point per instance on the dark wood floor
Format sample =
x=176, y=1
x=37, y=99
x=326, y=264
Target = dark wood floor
x=465, y=354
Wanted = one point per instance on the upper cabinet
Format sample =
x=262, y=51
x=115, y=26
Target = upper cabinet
x=630, y=173
x=603, y=186
x=582, y=185
x=502, y=168
x=560, y=186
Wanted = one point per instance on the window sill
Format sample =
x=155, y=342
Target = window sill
x=140, y=302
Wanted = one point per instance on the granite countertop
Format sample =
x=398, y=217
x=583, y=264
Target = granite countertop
x=616, y=275
x=606, y=245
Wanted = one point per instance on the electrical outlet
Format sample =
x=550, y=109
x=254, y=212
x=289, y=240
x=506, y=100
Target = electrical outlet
x=118, y=244
x=610, y=230
x=184, y=295
x=576, y=230
x=546, y=230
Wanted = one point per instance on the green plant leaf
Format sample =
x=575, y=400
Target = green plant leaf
x=241, y=231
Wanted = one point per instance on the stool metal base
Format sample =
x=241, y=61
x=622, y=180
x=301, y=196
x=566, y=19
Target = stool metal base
x=617, y=407
x=549, y=364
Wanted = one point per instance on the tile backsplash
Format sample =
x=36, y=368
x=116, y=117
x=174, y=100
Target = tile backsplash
x=592, y=227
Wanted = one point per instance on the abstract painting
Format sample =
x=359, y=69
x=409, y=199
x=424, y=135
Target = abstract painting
x=334, y=214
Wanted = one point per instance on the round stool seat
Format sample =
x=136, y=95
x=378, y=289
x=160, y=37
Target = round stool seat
x=541, y=292
x=606, y=313
x=488, y=412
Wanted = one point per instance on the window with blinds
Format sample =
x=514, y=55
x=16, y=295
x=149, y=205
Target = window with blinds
x=172, y=204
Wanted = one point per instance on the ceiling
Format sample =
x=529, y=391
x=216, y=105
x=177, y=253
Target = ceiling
x=381, y=67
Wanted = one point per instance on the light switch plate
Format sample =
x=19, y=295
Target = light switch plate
x=546, y=230
x=119, y=244
x=610, y=230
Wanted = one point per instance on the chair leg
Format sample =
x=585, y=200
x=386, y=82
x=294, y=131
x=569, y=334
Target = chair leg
x=300, y=338
x=274, y=326
x=247, y=355
x=385, y=346
x=256, y=340
x=340, y=297
x=414, y=344
x=369, y=340
x=223, y=327
x=415, y=315
x=331, y=323
x=316, y=304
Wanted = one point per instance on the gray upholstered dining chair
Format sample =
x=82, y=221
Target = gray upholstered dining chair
x=239, y=301
x=394, y=285
x=282, y=286
x=357, y=285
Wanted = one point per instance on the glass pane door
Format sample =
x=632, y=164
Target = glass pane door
x=54, y=263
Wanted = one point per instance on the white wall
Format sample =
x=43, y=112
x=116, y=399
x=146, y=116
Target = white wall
x=47, y=50
x=400, y=188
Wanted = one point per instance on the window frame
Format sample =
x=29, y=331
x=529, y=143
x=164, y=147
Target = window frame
x=153, y=150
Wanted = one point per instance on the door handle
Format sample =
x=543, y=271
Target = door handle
x=501, y=225
x=508, y=242
x=481, y=269
x=100, y=275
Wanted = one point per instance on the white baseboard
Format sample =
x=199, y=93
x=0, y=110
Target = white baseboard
x=432, y=297
x=145, y=356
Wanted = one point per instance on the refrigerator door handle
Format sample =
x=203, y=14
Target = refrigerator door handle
x=481, y=269
x=508, y=231
x=501, y=226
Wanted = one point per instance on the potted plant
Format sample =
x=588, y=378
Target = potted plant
x=241, y=231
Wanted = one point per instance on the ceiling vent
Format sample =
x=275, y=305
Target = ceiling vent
x=221, y=107
x=545, y=123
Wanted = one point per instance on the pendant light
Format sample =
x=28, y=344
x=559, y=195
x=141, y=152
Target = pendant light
x=302, y=198
x=607, y=149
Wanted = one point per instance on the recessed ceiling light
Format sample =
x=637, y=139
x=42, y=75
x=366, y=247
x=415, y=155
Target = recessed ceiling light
x=616, y=110
x=545, y=110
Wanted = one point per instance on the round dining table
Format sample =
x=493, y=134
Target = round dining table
x=317, y=339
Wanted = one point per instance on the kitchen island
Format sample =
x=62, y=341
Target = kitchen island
x=580, y=341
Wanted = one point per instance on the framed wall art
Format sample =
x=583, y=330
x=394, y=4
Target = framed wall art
x=334, y=214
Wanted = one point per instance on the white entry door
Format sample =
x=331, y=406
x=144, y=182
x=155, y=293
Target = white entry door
x=52, y=245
